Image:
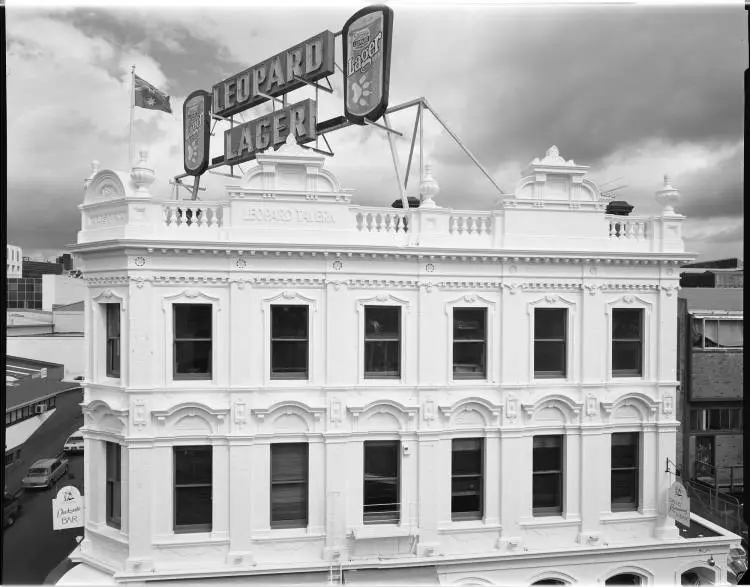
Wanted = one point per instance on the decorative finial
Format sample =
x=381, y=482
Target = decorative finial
x=94, y=167
x=428, y=187
x=142, y=175
x=667, y=196
x=143, y=153
x=290, y=140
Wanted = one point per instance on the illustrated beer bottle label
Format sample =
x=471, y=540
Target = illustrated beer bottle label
x=196, y=132
x=367, y=57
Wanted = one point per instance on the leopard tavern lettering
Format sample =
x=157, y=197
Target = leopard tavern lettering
x=286, y=215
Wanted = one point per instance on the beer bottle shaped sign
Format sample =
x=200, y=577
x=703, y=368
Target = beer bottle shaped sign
x=367, y=58
x=196, y=132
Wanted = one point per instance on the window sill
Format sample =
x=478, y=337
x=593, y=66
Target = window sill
x=375, y=531
x=551, y=520
x=459, y=526
x=281, y=534
x=189, y=538
x=105, y=531
x=629, y=516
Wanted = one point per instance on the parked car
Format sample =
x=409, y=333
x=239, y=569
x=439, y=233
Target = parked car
x=74, y=442
x=45, y=473
x=11, y=508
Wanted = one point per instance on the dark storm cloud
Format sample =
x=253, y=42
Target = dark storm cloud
x=598, y=80
x=714, y=191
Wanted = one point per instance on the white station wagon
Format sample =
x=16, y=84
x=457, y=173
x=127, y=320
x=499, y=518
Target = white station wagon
x=45, y=473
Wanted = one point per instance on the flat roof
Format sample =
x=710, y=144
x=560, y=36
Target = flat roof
x=711, y=299
x=74, y=307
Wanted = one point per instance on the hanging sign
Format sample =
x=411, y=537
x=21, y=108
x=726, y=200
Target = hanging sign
x=678, y=503
x=367, y=63
x=310, y=61
x=242, y=142
x=67, y=509
x=196, y=132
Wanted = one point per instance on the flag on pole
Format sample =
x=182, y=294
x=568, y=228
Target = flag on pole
x=147, y=96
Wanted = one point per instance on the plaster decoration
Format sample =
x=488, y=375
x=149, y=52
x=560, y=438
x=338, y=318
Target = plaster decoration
x=465, y=412
x=591, y=288
x=106, y=419
x=472, y=582
x=170, y=419
x=470, y=299
x=670, y=271
x=513, y=269
x=428, y=410
x=384, y=298
x=551, y=575
x=513, y=288
x=336, y=410
x=108, y=280
x=592, y=405
x=337, y=265
x=430, y=268
x=241, y=263
x=139, y=414
x=269, y=282
x=139, y=281
x=647, y=577
x=336, y=284
x=569, y=409
x=288, y=296
x=240, y=413
x=402, y=415
x=670, y=290
x=139, y=261
x=551, y=298
x=641, y=406
x=668, y=196
x=284, y=413
x=667, y=404
x=511, y=407
x=628, y=299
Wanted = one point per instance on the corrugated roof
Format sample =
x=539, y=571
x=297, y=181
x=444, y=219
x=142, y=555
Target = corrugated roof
x=713, y=298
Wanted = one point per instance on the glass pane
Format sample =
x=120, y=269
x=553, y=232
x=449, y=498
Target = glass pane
x=289, y=504
x=624, y=579
x=624, y=489
x=626, y=356
x=192, y=465
x=549, y=357
x=113, y=320
x=465, y=500
x=549, y=323
x=547, y=453
x=289, y=357
x=730, y=333
x=469, y=358
x=626, y=323
x=469, y=323
x=382, y=322
x=192, y=506
x=288, y=462
x=381, y=492
x=381, y=458
x=383, y=357
x=193, y=357
x=289, y=322
x=624, y=450
x=547, y=491
x=714, y=419
x=467, y=456
x=192, y=321
x=697, y=332
x=710, y=333
x=113, y=462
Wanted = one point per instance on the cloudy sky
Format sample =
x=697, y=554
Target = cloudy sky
x=633, y=91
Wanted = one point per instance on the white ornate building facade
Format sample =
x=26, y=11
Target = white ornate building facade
x=281, y=382
x=13, y=262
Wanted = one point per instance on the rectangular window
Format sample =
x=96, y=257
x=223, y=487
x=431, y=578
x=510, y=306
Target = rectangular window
x=113, y=339
x=624, y=471
x=469, y=343
x=548, y=476
x=627, y=342
x=192, y=488
x=382, y=342
x=381, y=503
x=289, y=342
x=192, y=341
x=289, y=481
x=711, y=334
x=466, y=479
x=114, y=484
x=550, y=329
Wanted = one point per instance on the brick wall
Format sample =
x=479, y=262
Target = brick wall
x=716, y=375
x=728, y=450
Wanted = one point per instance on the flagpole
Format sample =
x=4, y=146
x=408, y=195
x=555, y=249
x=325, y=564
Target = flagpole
x=132, y=110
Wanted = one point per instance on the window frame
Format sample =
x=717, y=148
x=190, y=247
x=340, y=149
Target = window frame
x=191, y=528
x=113, y=481
x=374, y=519
x=538, y=374
x=641, y=369
x=461, y=516
x=193, y=376
x=112, y=310
x=305, y=522
x=719, y=320
x=383, y=375
x=550, y=511
x=290, y=376
x=484, y=341
x=635, y=504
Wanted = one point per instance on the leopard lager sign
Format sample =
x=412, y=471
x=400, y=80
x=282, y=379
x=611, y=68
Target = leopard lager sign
x=196, y=132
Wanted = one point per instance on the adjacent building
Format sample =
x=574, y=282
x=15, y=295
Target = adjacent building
x=284, y=386
x=13, y=261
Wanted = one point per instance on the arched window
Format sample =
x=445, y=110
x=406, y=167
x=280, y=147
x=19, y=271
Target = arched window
x=549, y=582
x=624, y=579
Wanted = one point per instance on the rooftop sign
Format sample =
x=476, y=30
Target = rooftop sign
x=310, y=61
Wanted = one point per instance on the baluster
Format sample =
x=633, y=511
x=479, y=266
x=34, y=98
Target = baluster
x=210, y=217
x=358, y=221
x=479, y=224
x=611, y=229
x=451, y=224
x=173, y=216
x=167, y=215
x=387, y=222
x=470, y=225
x=488, y=225
x=369, y=222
